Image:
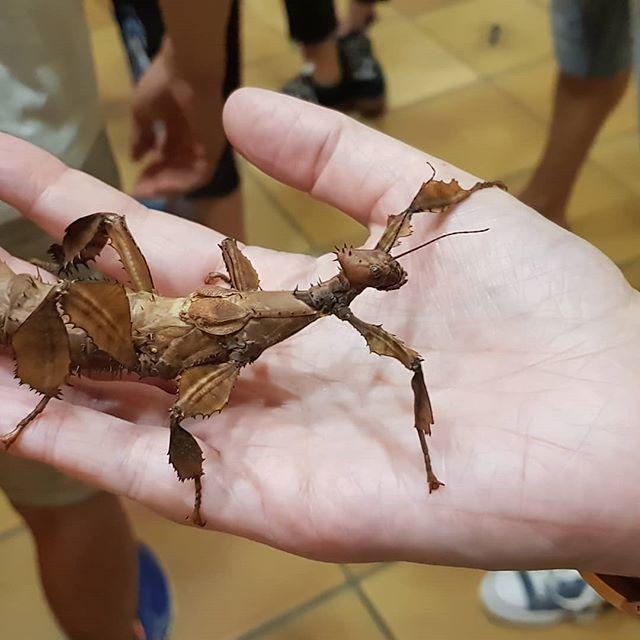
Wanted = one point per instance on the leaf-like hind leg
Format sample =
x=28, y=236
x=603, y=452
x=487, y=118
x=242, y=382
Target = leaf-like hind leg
x=41, y=349
x=242, y=274
x=434, y=196
x=8, y=439
x=85, y=238
x=385, y=344
x=423, y=420
x=203, y=391
x=185, y=455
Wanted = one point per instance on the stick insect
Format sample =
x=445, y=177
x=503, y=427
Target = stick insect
x=80, y=325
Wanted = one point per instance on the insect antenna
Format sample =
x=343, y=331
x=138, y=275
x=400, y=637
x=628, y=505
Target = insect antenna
x=446, y=235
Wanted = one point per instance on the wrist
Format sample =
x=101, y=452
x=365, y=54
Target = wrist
x=197, y=73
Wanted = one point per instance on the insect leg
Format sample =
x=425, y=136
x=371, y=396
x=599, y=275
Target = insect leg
x=216, y=275
x=85, y=238
x=385, y=344
x=185, y=455
x=41, y=349
x=434, y=196
x=8, y=439
x=202, y=391
x=242, y=274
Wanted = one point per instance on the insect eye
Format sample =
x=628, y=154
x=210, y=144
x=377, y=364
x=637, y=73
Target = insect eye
x=375, y=271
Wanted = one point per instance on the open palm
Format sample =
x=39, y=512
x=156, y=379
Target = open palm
x=531, y=345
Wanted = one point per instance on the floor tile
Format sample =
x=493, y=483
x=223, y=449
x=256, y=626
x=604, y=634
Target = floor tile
x=98, y=13
x=266, y=225
x=266, y=12
x=362, y=569
x=112, y=68
x=262, y=36
x=416, y=7
x=420, y=602
x=115, y=87
x=322, y=225
x=620, y=157
x=632, y=273
x=343, y=617
x=225, y=586
x=23, y=609
x=534, y=85
x=415, y=65
x=464, y=28
x=615, y=230
x=594, y=190
x=272, y=72
x=8, y=517
x=477, y=128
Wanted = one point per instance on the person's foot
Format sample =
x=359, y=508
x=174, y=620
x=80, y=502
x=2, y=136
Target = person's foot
x=362, y=87
x=551, y=207
x=154, y=601
x=538, y=598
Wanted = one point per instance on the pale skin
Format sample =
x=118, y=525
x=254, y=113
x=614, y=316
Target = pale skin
x=531, y=357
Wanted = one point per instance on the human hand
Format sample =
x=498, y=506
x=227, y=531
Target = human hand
x=530, y=338
x=177, y=128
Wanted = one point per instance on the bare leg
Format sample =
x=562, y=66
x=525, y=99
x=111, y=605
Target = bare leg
x=358, y=18
x=324, y=56
x=87, y=560
x=580, y=109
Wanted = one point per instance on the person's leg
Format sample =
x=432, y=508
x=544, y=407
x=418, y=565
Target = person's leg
x=87, y=561
x=593, y=50
x=86, y=551
x=344, y=73
x=313, y=25
x=360, y=15
x=219, y=203
x=581, y=106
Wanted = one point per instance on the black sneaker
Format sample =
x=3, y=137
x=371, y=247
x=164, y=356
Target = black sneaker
x=362, y=87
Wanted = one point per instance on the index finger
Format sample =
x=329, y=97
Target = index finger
x=358, y=170
x=51, y=194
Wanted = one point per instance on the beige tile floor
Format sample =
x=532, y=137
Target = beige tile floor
x=453, y=94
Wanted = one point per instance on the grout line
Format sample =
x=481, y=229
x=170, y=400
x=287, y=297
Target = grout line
x=283, y=212
x=366, y=602
x=478, y=81
x=515, y=99
x=296, y=612
x=625, y=264
x=12, y=532
x=358, y=577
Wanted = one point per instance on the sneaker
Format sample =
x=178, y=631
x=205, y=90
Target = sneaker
x=361, y=89
x=539, y=598
x=154, y=601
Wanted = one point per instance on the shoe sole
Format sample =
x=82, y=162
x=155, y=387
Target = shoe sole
x=366, y=107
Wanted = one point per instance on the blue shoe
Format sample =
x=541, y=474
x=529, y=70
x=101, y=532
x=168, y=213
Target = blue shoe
x=539, y=598
x=154, y=600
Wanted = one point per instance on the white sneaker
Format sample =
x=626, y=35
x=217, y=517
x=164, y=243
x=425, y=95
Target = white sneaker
x=539, y=598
